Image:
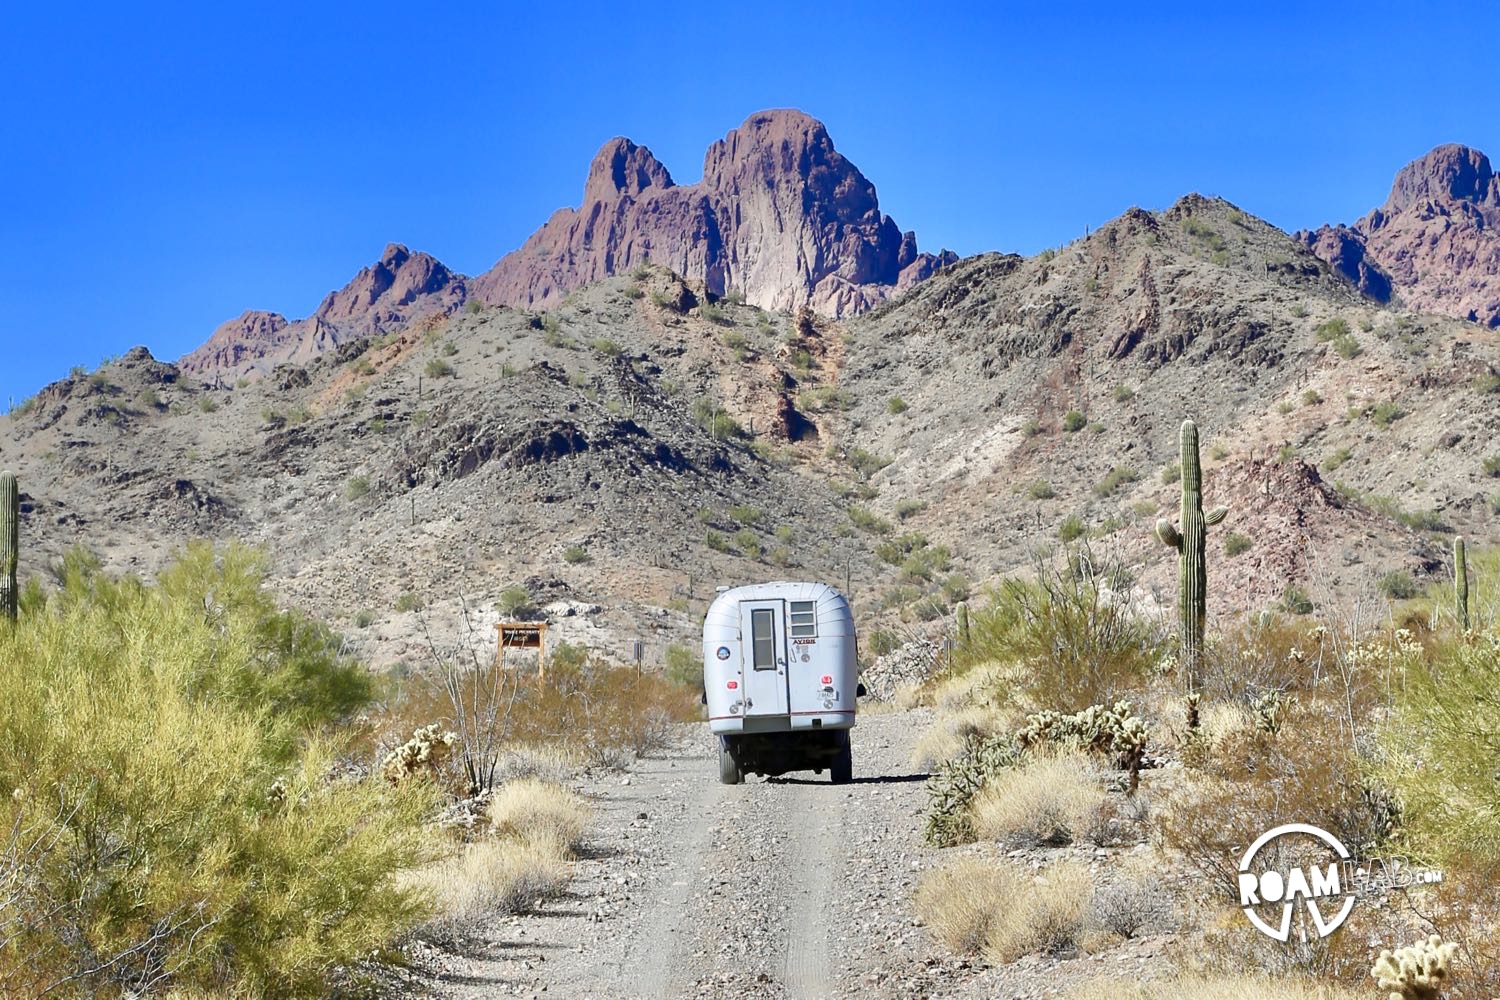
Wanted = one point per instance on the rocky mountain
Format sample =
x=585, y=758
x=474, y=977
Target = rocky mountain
x=624, y=452
x=780, y=216
x=1434, y=243
x=399, y=287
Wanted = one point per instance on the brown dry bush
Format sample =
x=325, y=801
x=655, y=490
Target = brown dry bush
x=602, y=713
x=1235, y=987
x=1005, y=911
x=1048, y=799
x=1307, y=773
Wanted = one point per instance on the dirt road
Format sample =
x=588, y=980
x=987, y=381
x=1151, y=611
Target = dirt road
x=789, y=887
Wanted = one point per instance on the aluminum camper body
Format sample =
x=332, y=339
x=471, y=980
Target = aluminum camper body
x=780, y=677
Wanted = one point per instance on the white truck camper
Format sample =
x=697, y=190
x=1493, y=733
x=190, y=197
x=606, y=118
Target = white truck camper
x=780, y=677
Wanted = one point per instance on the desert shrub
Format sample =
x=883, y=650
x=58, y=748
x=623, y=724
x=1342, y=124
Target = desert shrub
x=188, y=829
x=1236, y=543
x=1331, y=329
x=1132, y=903
x=1206, y=987
x=719, y=424
x=983, y=752
x=1123, y=393
x=747, y=515
x=1310, y=770
x=1070, y=629
x=959, y=901
x=514, y=601
x=486, y=878
x=1120, y=475
x=866, y=463
x=438, y=368
x=356, y=487
x=576, y=555
x=535, y=810
x=1040, y=490
x=716, y=541
x=1074, y=421
x=410, y=601
x=1311, y=397
x=748, y=542
x=1266, y=652
x=1442, y=754
x=1295, y=600
x=1171, y=473
x=683, y=667
x=867, y=520
x=1398, y=585
x=364, y=619
x=1046, y=800
x=883, y=641
x=1071, y=529
x=1347, y=346
x=895, y=406
x=605, y=346
x=1385, y=413
x=1005, y=912
x=909, y=508
x=824, y=399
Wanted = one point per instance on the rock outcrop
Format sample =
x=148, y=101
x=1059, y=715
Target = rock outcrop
x=780, y=216
x=1434, y=242
x=399, y=287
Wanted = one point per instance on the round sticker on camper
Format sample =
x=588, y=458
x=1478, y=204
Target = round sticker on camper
x=723, y=652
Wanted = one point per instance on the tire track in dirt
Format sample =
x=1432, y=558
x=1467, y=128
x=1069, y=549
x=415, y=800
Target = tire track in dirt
x=816, y=816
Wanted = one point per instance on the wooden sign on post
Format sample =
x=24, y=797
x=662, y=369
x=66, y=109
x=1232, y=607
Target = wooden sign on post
x=523, y=635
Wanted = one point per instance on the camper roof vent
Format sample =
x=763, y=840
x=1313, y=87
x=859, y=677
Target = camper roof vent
x=721, y=589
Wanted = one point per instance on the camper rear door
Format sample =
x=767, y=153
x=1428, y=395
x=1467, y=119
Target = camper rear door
x=763, y=626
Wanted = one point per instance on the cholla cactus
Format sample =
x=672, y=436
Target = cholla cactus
x=956, y=783
x=1267, y=709
x=426, y=750
x=1416, y=972
x=1097, y=729
x=1190, y=539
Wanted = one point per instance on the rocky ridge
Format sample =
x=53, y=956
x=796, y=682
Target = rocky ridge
x=1434, y=243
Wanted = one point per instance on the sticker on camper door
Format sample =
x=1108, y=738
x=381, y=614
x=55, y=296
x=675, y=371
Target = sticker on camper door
x=723, y=653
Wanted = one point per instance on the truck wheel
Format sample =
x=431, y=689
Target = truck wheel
x=841, y=770
x=729, y=768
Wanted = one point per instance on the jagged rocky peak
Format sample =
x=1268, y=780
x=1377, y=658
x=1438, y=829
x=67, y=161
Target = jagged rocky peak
x=1448, y=174
x=623, y=169
x=780, y=216
x=1433, y=244
x=402, y=285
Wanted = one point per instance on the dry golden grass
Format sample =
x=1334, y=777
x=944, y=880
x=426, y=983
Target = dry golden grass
x=533, y=810
x=1004, y=911
x=490, y=877
x=1048, y=799
x=1213, y=988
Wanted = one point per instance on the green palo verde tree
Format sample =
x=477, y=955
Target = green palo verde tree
x=1190, y=538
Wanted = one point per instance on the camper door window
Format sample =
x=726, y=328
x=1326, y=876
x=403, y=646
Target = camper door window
x=804, y=619
x=763, y=639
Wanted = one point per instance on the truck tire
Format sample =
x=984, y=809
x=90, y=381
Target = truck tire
x=841, y=770
x=729, y=768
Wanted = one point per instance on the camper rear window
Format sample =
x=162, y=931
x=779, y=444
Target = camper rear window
x=804, y=619
x=762, y=640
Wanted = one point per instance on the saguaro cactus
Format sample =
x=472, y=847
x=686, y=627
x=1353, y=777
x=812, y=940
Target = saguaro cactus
x=962, y=611
x=10, y=542
x=1460, y=584
x=1190, y=539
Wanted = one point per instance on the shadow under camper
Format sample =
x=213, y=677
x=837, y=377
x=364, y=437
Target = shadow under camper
x=780, y=677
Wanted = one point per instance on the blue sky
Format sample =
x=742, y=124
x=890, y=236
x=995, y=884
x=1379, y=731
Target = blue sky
x=163, y=171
